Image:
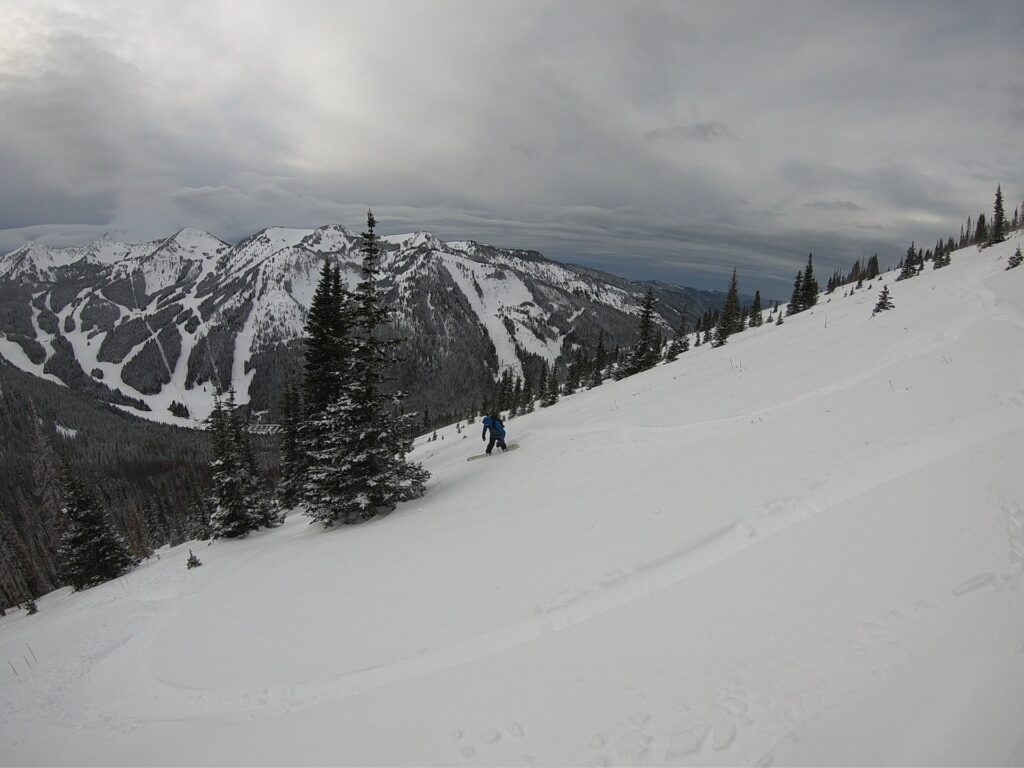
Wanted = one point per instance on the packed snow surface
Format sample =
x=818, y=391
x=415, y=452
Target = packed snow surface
x=804, y=547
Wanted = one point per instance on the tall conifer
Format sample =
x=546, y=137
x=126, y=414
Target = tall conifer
x=809, y=288
x=91, y=550
x=361, y=467
x=997, y=231
x=730, y=319
x=795, y=300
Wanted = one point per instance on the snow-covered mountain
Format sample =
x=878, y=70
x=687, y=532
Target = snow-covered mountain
x=803, y=548
x=150, y=324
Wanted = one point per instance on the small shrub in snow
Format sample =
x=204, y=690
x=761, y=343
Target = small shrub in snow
x=193, y=561
x=31, y=607
x=1015, y=260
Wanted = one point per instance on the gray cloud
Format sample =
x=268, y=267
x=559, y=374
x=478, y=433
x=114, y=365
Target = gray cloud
x=516, y=125
x=708, y=131
x=834, y=205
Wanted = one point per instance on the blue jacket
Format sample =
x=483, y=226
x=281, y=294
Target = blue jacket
x=495, y=425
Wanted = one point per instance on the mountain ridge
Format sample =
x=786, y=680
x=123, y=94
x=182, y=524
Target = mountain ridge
x=168, y=322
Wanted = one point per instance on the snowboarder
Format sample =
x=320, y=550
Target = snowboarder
x=497, y=429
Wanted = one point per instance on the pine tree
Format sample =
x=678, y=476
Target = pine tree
x=997, y=232
x=262, y=508
x=290, y=484
x=755, y=311
x=600, y=362
x=644, y=353
x=198, y=517
x=518, y=405
x=325, y=342
x=361, y=467
x=794, y=300
x=231, y=517
x=13, y=582
x=137, y=535
x=528, y=396
x=48, y=487
x=730, y=320
x=873, y=269
x=680, y=341
x=981, y=231
x=809, y=289
x=91, y=550
x=550, y=396
x=1015, y=260
x=542, y=382
x=884, y=301
x=909, y=266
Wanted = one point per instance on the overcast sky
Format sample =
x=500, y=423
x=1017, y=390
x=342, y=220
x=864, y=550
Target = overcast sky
x=669, y=141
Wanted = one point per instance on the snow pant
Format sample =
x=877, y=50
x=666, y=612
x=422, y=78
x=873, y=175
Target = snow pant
x=495, y=439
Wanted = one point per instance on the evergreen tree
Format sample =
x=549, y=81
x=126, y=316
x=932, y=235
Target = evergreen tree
x=528, y=396
x=290, y=483
x=137, y=535
x=263, y=510
x=680, y=341
x=809, y=287
x=518, y=405
x=1015, y=260
x=91, y=550
x=325, y=342
x=981, y=231
x=47, y=480
x=231, y=515
x=997, y=232
x=550, y=396
x=600, y=362
x=884, y=301
x=730, y=319
x=542, y=382
x=755, y=311
x=198, y=517
x=873, y=269
x=798, y=292
x=909, y=264
x=644, y=353
x=361, y=466
x=13, y=582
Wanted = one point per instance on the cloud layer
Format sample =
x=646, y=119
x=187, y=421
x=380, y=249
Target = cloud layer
x=669, y=141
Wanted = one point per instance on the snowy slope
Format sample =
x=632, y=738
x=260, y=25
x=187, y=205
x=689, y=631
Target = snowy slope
x=805, y=547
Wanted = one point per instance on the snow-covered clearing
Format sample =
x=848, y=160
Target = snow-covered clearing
x=806, y=547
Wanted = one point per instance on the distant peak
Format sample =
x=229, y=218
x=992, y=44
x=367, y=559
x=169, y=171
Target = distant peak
x=413, y=239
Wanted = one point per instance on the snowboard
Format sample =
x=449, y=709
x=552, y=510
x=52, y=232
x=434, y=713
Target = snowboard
x=496, y=452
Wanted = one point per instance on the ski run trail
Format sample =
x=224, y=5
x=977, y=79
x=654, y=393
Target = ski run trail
x=803, y=548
